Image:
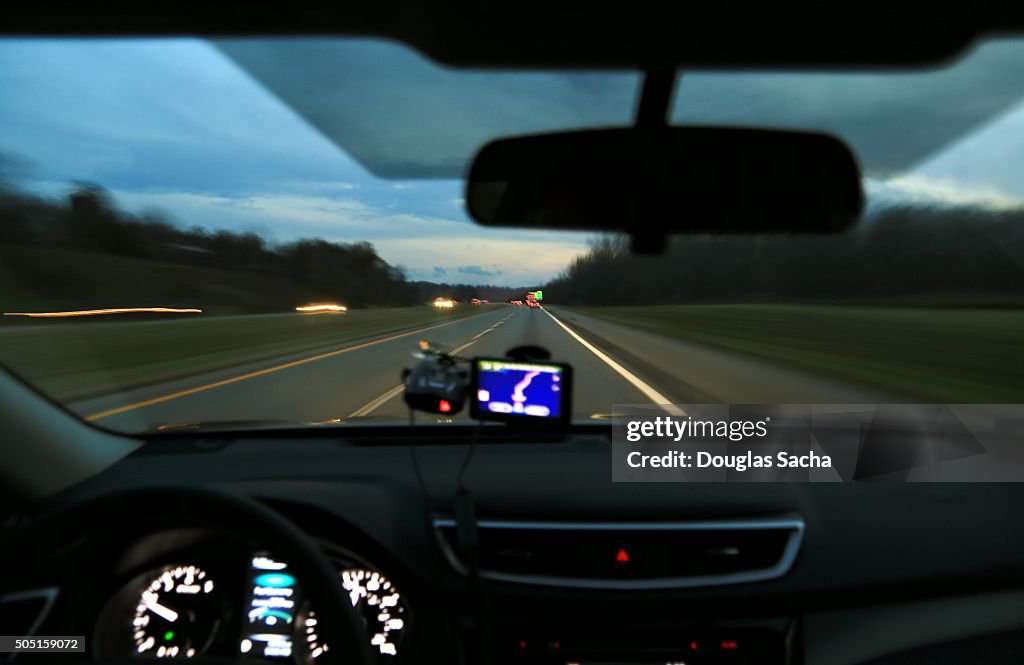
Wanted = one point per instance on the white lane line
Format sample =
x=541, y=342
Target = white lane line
x=375, y=404
x=649, y=392
x=380, y=401
x=464, y=346
x=491, y=329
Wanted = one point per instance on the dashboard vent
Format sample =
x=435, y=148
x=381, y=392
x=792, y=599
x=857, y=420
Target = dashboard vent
x=630, y=555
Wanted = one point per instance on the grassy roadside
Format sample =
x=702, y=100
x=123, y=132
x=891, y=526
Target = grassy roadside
x=942, y=355
x=74, y=361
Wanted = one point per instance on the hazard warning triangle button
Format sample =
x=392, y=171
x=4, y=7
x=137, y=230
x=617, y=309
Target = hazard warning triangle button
x=622, y=556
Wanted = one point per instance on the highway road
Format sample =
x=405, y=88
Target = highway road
x=359, y=380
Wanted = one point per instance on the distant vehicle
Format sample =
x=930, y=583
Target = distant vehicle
x=475, y=301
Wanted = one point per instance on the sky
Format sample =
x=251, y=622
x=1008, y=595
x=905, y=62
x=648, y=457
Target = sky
x=357, y=140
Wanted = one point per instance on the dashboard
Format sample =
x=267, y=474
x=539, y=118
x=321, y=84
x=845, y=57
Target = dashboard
x=872, y=574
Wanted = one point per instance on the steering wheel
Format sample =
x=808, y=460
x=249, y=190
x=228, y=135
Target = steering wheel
x=249, y=520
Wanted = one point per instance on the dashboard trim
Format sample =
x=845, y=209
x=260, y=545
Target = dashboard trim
x=792, y=522
x=49, y=596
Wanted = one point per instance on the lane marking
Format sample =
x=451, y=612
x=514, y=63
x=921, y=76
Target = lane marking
x=250, y=375
x=380, y=401
x=649, y=392
x=375, y=404
x=464, y=346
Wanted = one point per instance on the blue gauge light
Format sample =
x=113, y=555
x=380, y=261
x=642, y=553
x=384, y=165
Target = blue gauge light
x=276, y=580
x=262, y=613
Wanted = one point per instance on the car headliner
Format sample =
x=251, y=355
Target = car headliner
x=569, y=34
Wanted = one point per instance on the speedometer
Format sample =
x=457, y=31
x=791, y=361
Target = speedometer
x=175, y=616
x=379, y=605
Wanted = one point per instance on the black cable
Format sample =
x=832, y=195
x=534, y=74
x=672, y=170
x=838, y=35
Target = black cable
x=469, y=455
x=468, y=539
x=416, y=467
x=465, y=513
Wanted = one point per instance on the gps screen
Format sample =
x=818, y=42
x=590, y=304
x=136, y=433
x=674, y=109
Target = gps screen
x=506, y=389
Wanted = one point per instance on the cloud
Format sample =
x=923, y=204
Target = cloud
x=322, y=187
x=521, y=257
x=919, y=189
x=475, y=270
x=423, y=244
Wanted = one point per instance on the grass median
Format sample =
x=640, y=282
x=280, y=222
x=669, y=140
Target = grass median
x=940, y=355
x=75, y=361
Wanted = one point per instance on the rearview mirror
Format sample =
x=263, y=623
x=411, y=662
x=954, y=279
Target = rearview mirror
x=651, y=182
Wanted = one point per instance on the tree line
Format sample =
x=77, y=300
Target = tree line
x=900, y=254
x=89, y=221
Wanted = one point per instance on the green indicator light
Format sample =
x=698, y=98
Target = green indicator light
x=169, y=635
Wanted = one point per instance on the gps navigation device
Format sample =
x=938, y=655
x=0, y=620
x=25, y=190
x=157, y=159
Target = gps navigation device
x=521, y=391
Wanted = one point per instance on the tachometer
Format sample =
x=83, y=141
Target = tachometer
x=176, y=616
x=379, y=605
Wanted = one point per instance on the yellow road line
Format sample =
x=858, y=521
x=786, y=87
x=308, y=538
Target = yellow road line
x=250, y=375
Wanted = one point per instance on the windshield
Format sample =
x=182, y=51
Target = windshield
x=254, y=232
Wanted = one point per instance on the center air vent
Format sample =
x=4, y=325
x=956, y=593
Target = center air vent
x=630, y=555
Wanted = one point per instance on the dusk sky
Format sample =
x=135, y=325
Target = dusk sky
x=246, y=136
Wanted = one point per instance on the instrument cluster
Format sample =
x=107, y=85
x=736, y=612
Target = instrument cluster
x=252, y=607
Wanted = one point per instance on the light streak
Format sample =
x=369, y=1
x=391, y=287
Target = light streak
x=327, y=307
x=102, y=312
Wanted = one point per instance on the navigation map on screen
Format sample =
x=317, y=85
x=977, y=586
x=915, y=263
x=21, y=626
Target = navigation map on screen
x=517, y=388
